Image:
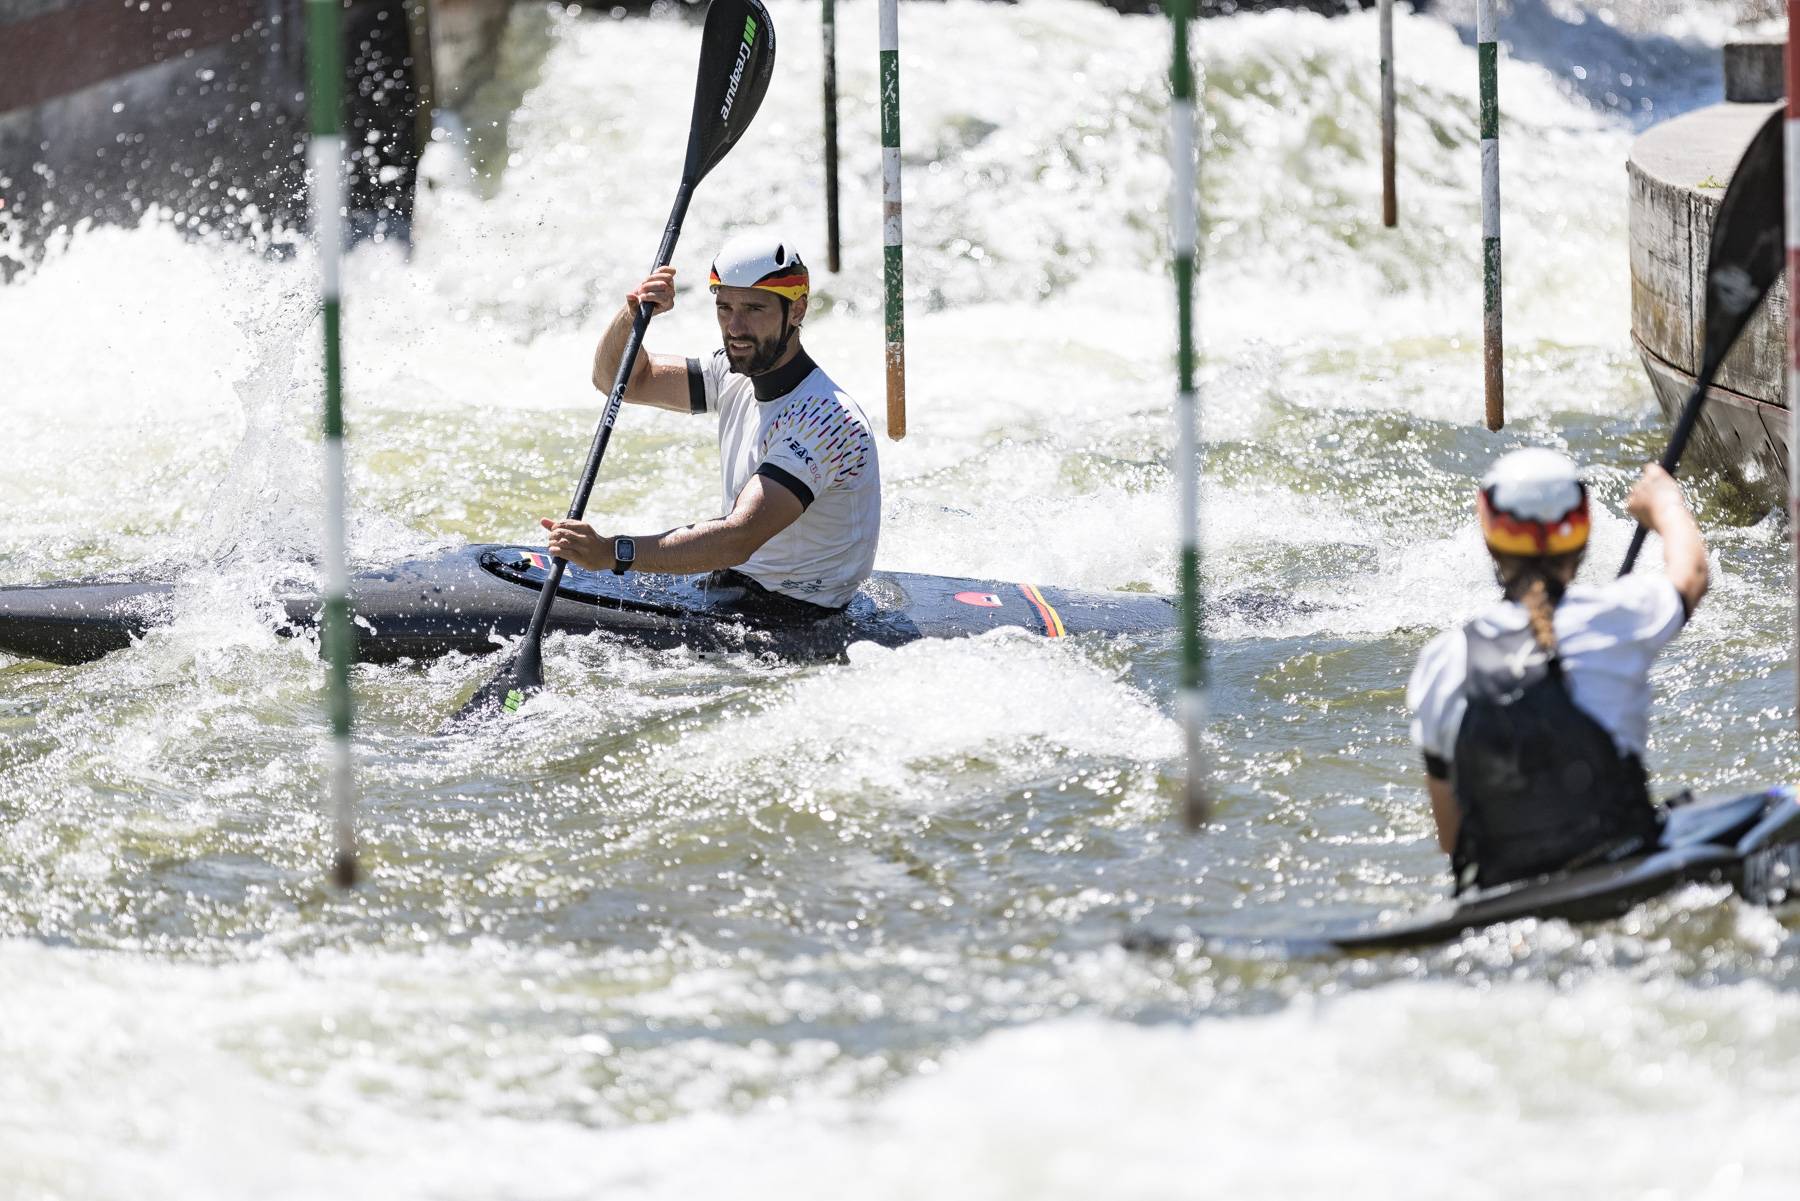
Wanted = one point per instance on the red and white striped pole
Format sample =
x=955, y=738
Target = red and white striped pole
x=893, y=274
x=1493, y=357
x=1791, y=171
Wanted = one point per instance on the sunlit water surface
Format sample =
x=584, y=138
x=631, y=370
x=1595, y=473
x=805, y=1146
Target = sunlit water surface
x=702, y=925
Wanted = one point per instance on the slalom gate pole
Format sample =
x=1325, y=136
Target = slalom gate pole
x=324, y=41
x=893, y=275
x=1185, y=219
x=1791, y=170
x=833, y=244
x=1390, y=209
x=1492, y=355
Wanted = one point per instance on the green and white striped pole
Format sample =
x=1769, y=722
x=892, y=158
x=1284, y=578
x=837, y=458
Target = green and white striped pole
x=1390, y=208
x=833, y=247
x=893, y=276
x=326, y=154
x=1185, y=218
x=1492, y=355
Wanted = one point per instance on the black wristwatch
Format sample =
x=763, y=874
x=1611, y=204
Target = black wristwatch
x=624, y=554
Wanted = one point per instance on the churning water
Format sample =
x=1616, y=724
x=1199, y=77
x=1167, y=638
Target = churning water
x=696, y=925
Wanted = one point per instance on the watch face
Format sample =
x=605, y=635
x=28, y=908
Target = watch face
x=624, y=550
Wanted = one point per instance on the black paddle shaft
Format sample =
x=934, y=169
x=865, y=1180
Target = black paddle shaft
x=1742, y=262
x=737, y=59
x=590, y=471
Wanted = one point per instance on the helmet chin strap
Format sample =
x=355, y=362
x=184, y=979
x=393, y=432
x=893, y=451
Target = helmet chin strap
x=787, y=329
x=787, y=335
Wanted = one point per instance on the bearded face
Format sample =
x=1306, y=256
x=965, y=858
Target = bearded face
x=752, y=324
x=750, y=355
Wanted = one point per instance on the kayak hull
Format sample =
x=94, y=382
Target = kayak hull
x=1750, y=842
x=1730, y=840
x=474, y=599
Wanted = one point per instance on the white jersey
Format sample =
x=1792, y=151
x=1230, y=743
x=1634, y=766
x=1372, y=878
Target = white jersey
x=1607, y=637
x=811, y=438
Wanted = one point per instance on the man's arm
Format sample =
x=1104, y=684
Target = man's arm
x=656, y=379
x=764, y=508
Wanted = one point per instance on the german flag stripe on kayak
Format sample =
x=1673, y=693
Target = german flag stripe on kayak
x=1053, y=625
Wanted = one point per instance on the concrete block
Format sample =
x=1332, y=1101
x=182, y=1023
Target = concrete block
x=1661, y=269
x=1753, y=71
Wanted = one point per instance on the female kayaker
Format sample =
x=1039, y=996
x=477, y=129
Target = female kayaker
x=1533, y=717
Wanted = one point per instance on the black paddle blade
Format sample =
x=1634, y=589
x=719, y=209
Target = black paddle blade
x=1747, y=252
x=1748, y=242
x=737, y=58
x=518, y=678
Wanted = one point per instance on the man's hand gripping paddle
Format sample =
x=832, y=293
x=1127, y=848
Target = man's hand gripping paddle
x=737, y=57
x=1741, y=266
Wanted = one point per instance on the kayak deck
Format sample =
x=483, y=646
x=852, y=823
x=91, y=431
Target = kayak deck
x=473, y=599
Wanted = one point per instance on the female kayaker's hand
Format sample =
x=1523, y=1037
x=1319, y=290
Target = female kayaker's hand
x=1650, y=497
x=577, y=542
x=658, y=290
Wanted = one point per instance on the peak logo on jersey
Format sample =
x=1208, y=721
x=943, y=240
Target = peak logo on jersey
x=981, y=600
x=800, y=452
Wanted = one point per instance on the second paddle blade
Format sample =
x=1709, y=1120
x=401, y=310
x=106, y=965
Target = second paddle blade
x=1747, y=249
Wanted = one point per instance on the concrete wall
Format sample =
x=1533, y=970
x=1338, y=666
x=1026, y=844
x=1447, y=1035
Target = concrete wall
x=1677, y=174
x=108, y=109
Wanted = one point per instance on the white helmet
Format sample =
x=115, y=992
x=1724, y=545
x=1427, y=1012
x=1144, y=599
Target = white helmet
x=757, y=259
x=1533, y=503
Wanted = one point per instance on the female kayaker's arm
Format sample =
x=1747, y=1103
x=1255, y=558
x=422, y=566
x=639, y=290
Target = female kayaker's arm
x=656, y=379
x=1435, y=680
x=1656, y=502
x=764, y=508
x=1444, y=812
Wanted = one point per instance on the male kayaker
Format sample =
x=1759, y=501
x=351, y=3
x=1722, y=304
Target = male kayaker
x=802, y=484
x=1534, y=717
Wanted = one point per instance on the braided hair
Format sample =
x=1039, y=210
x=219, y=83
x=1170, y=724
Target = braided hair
x=1538, y=583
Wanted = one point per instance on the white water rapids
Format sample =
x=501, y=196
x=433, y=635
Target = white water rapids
x=709, y=925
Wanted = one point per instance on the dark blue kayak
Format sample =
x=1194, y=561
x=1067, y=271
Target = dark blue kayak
x=1750, y=842
x=473, y=599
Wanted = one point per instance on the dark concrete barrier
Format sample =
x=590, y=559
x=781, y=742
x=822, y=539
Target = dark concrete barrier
x=1754, y=72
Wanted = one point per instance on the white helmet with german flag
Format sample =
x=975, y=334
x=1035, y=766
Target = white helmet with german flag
x=1533, y=504
x=758, y=259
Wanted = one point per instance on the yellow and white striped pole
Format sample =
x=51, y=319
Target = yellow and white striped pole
x=326, y=189
x=1185, y=221
x=1492, y=355
x=893, y=275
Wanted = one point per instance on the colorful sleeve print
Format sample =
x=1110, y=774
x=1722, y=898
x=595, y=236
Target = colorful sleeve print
x=820, y=443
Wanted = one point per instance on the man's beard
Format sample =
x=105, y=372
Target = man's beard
x=762, y=356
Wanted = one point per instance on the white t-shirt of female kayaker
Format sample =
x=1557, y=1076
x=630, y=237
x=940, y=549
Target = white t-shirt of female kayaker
x=1607, y=637
x=814, y=440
